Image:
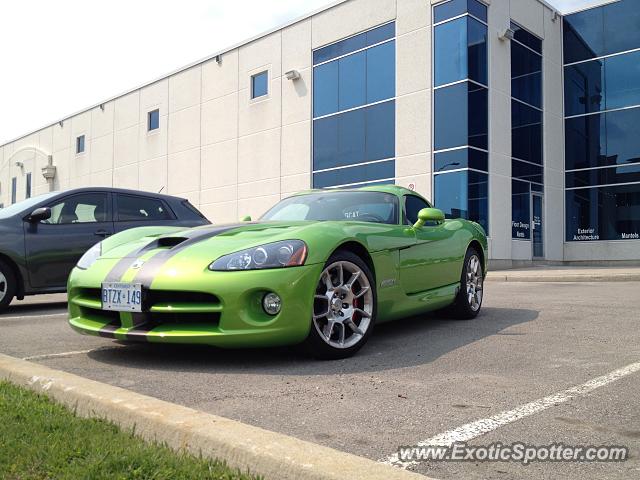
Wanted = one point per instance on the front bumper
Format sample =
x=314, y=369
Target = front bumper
x=223, y=309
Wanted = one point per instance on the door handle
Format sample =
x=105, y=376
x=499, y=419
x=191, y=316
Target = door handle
x=102, y=233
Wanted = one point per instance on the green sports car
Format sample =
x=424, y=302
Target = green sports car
x=319, y=269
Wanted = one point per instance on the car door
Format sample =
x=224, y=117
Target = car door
x=54, y=246
x=430, y=262
x=139, y=211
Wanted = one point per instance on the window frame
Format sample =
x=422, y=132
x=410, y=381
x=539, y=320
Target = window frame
x=149, y=114
x=165, y=205
x=56, y=201
x=405, y=218
x=252, y=85
x=81, y=142
x=27, y=186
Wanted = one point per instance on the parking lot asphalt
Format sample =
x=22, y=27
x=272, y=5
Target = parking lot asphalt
x=415, y=379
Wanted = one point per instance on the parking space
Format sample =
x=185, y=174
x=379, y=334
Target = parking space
x=415, y=379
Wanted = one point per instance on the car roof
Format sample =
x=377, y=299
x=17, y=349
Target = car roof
x=117, y=190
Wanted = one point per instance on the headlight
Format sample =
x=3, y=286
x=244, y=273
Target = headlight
x=288, y=253
x=90, y=256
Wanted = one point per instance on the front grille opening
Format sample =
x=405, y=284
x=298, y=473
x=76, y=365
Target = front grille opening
x=100, y=315
x=171, y=297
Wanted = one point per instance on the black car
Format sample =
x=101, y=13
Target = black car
x=42, y=238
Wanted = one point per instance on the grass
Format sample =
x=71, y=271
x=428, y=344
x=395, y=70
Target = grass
x=40, y=439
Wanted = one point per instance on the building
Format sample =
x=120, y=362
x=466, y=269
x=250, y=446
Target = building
x=501, y=111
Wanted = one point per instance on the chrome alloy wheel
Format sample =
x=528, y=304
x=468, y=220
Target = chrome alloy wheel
x=474, y=283
x=3, y=286
x=343, y=305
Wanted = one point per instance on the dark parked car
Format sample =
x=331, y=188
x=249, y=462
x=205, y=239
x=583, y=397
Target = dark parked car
x=42, y=238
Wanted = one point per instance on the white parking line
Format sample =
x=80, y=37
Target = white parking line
x=480, y=427
x=66, y=354
x=27, y=317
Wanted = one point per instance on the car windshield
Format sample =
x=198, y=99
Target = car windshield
x=375, y=207
x=11, y=210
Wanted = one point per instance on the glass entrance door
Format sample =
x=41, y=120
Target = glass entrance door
x=536, y=225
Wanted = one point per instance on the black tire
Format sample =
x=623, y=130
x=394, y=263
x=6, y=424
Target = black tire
x=8, y=285
x=463, y=308
x=315, y=344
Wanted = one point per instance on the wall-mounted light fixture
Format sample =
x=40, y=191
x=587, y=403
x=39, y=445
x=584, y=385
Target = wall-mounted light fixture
x=19, y=164
x=218, y=59
x=292, y=75
x=506, y=34
x=102, y=107
x=61, y=123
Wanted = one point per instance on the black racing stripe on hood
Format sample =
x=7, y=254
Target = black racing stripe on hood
x=121, y=267
x=150, y=269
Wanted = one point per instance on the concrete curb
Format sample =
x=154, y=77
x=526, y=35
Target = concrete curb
x=273, y=455
x=563, y=277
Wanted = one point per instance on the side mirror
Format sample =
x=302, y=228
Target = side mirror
x=429, y=215
x=39, y=214
x=246, y=218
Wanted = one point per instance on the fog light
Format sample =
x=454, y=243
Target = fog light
x=271, y=303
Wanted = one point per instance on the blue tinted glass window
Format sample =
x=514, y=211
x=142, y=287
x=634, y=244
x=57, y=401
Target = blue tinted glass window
x=450, y=55
x=520, y=210
x=360, y=173
x=583, y=35
x=325, y=89
x=526, y=171
x=603, y=176
x=603, y=213
x=460, y=51
x=380, y=34
x=259, y=84
x=450, y=9
x=623, y=141
x=478, y=116
x=526, y=38
x=526, y=132
x=461, y=116
x=80, y=144
x=536, y=187
x=526, y=75
x=380, y=131
x=352, y=81
x=27, y=193
x=477, y=46
x=621, y=26
x=340, y=48
x=450, y=112
x=463, y=194
x=477, y=9
x=326, y=153
x=381, y=74
x=153, y=120
x=357, y=136
x=584, y=88
x=14, y=188
x=585, y=141
x=461, y=158
x=351, y=138
x=622, y=80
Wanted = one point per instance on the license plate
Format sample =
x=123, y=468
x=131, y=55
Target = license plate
x=122, y=297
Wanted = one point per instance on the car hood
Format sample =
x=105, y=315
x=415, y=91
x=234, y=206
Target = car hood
x=208, y=243
x=212, y=240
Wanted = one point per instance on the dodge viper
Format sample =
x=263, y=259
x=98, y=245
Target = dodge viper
x=319, y=269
